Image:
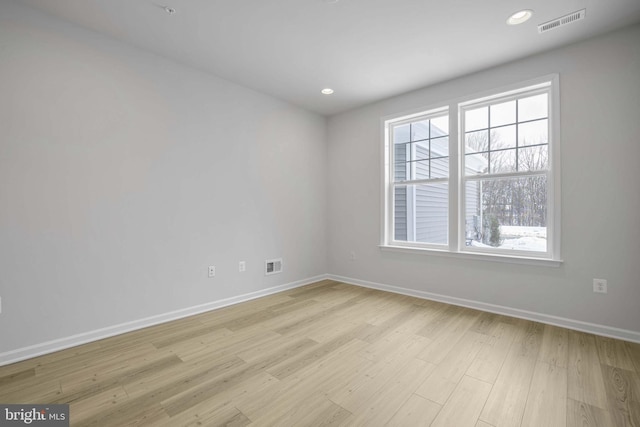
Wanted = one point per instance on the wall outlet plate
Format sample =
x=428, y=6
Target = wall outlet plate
x=600, y=286
x=212, y=271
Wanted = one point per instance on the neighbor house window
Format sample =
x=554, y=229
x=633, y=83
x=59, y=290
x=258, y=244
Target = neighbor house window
x=483, y=180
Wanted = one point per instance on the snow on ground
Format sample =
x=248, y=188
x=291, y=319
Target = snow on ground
x=507, y=231
x=523, y=238
x=525, y=244
x=520, y=239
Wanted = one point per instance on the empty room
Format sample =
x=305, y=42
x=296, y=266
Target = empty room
x=319, y=212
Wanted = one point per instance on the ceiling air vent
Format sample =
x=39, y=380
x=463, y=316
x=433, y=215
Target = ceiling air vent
x=564, y=20
x=272, y=266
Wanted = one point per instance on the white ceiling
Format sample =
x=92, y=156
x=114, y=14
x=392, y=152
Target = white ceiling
x=365, y=50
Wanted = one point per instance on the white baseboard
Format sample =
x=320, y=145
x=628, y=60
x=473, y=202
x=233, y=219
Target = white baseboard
x=86, y=337
x=606, y=331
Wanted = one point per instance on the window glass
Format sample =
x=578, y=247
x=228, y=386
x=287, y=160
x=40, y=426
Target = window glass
x=533, y=107
x=508, y=214
x=503, y=113
x=476, y=119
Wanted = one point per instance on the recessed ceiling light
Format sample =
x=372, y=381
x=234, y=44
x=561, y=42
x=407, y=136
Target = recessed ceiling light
x=520, y=17
x=327, y=91
x=169, y=10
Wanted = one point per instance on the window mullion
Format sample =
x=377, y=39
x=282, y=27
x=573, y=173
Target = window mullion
x=454, y=176
x=488, y=177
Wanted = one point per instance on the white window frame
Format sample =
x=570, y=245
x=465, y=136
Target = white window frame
x=456, y=225
x=425, y=115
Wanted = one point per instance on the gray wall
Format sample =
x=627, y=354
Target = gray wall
x=124, y=175
x=600, y=104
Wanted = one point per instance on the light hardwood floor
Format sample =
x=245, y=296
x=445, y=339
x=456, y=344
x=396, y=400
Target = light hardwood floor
x=335, y=354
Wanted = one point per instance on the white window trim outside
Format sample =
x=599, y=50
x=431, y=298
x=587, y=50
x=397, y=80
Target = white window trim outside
x=456, y=246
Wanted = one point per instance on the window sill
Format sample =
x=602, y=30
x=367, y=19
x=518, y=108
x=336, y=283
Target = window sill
x=475, y=256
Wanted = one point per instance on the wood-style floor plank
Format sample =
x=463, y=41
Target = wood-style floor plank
x=489, y=360
x=546, y=403
x=585, y=382
x=634, y=351
x=554, y=349
x=441, y=383
x=383, y=404
x=580, y=414
x=465, y=404
x=333, y=354
x=506, y=403
x=416, y=411
x=614, y=353
x=623, y=392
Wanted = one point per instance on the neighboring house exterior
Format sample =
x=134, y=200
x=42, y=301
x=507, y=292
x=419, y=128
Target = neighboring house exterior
x=422, y=211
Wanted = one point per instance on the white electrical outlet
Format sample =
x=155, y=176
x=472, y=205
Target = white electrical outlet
x=242, y=266
x=212, y=271
x=600, y=286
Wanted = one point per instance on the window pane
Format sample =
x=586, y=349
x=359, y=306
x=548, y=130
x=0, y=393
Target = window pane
x=421, y=169
x=475, y=164
x=440, y=147
x=533, y=158
x=503, y=161
x=402, y=172
x=420, y=130
x=503, y=114
x=400, y=213
x=503, y=137
x=533, y=107
x=476, y=119
x=401, y=134
x=401, y=153
x=439, y=126
x=422, y=213
x=401, y=168
x=421, y=150
x=440, y=168
x=476, y=141
x=533, y=133
x=509, y=214
x=432, y=213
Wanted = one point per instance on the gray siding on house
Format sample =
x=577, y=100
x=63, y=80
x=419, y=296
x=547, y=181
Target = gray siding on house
x=400, y=194
x=400, y=213
x=472, y=210
x=432, y=213
x=431, y=201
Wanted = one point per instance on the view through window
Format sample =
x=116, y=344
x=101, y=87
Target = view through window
x=483, y=183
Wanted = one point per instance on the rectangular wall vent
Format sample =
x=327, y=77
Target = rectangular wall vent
x=564, y=20
x=272, y=266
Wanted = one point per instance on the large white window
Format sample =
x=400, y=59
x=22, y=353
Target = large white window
x=476, y=176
